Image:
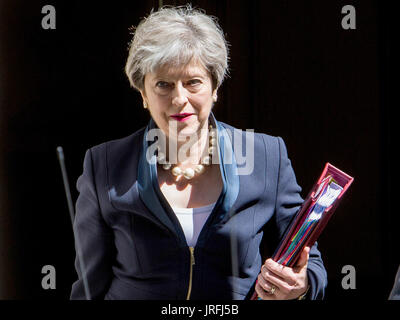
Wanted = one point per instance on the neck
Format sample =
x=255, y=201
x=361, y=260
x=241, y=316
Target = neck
x=186, y=151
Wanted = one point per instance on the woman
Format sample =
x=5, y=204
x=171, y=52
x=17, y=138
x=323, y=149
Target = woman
x=168, y=212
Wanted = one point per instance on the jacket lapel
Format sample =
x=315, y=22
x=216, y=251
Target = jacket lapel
x=148, y=184
x=228, y=169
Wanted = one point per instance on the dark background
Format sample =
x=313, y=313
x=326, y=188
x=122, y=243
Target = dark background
x=294, y=72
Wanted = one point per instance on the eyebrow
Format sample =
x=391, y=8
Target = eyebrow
x=188, y=74
x=185, y=76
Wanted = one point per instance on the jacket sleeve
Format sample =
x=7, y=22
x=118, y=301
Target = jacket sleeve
x=395, y=293
x=288, y=201
x=94, y=238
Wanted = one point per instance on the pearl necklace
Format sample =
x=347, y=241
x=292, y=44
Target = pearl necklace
x=189, y=173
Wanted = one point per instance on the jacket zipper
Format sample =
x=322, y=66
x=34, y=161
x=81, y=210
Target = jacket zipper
x=192, y=262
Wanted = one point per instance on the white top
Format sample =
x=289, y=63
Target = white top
x=192, y=221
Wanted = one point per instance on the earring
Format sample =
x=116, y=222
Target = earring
x=215, y=98
x=144, y=104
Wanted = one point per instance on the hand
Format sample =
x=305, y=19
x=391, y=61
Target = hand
x=289, y=283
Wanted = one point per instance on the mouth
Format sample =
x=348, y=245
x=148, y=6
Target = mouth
x=181, y=116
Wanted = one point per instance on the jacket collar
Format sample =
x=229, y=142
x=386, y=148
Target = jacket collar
x=153, y=198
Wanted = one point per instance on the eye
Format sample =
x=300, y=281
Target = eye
x=162, y=85
x=194, y=82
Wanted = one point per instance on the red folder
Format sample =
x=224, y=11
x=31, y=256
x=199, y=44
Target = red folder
x=333, y=174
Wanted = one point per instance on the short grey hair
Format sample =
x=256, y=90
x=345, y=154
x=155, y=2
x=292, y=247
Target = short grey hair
x=174, y=36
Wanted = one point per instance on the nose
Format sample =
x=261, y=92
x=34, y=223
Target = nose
x=179, y=96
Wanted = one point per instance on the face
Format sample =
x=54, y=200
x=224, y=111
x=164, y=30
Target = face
x=181, y=97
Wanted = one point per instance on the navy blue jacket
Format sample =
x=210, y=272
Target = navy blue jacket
x=134, y=247
x=395, y=293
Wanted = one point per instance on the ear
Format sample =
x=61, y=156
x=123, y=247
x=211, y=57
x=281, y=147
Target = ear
x=214, y=95
x=143, y=94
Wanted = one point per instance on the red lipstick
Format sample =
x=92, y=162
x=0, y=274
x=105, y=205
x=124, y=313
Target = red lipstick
x=181, y=116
